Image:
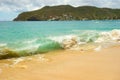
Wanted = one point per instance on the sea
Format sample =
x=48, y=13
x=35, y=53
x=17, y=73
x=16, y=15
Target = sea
x=21, y=38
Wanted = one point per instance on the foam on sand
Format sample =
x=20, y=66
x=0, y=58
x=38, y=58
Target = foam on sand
x=66, y=65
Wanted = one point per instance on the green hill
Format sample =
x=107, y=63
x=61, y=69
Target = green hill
x=67, y=12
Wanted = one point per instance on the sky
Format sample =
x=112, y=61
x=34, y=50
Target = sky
x=9, y=9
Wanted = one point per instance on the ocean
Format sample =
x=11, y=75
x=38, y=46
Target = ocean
x=24, y=38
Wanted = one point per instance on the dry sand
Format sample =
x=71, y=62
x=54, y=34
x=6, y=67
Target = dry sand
x=64, y=65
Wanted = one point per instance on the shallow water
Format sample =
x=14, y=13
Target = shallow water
x=26, y=38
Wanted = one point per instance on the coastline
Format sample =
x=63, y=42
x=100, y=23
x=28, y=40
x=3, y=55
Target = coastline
x=64, y=65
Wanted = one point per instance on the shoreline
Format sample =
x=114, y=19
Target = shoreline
x=64, y=65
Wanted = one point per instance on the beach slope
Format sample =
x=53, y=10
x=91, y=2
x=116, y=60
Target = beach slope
x=65, y=65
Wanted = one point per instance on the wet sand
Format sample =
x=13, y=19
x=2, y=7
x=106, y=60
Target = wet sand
x=64, y=65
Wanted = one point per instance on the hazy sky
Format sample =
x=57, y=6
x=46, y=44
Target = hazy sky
x=9, y=9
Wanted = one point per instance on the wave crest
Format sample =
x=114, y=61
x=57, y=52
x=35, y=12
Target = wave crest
x=81, y=41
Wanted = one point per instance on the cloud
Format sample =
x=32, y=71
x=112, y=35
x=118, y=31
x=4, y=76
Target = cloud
x=24, y=5
x=27, y=5
x=9, y=9
x=98, y=3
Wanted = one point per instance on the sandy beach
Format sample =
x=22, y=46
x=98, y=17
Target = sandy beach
x=64, y=65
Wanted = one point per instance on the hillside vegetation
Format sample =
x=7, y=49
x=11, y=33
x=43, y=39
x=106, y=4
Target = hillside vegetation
x=67, y=12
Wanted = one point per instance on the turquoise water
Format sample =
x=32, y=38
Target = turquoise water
x=43, y=36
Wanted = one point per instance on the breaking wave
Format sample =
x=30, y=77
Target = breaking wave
x=78, y=40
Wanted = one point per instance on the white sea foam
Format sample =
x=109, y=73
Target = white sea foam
x=59, y=39
x=29, y=48
x=104, y=39
x=30, y=41
x=115, y=34
x=98, y=48
x=73, y=41
x=18, y=60
x=67, y=41
x=3, y=44
x=111, y=36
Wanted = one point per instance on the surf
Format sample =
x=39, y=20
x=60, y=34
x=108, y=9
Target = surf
x=91, y=39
